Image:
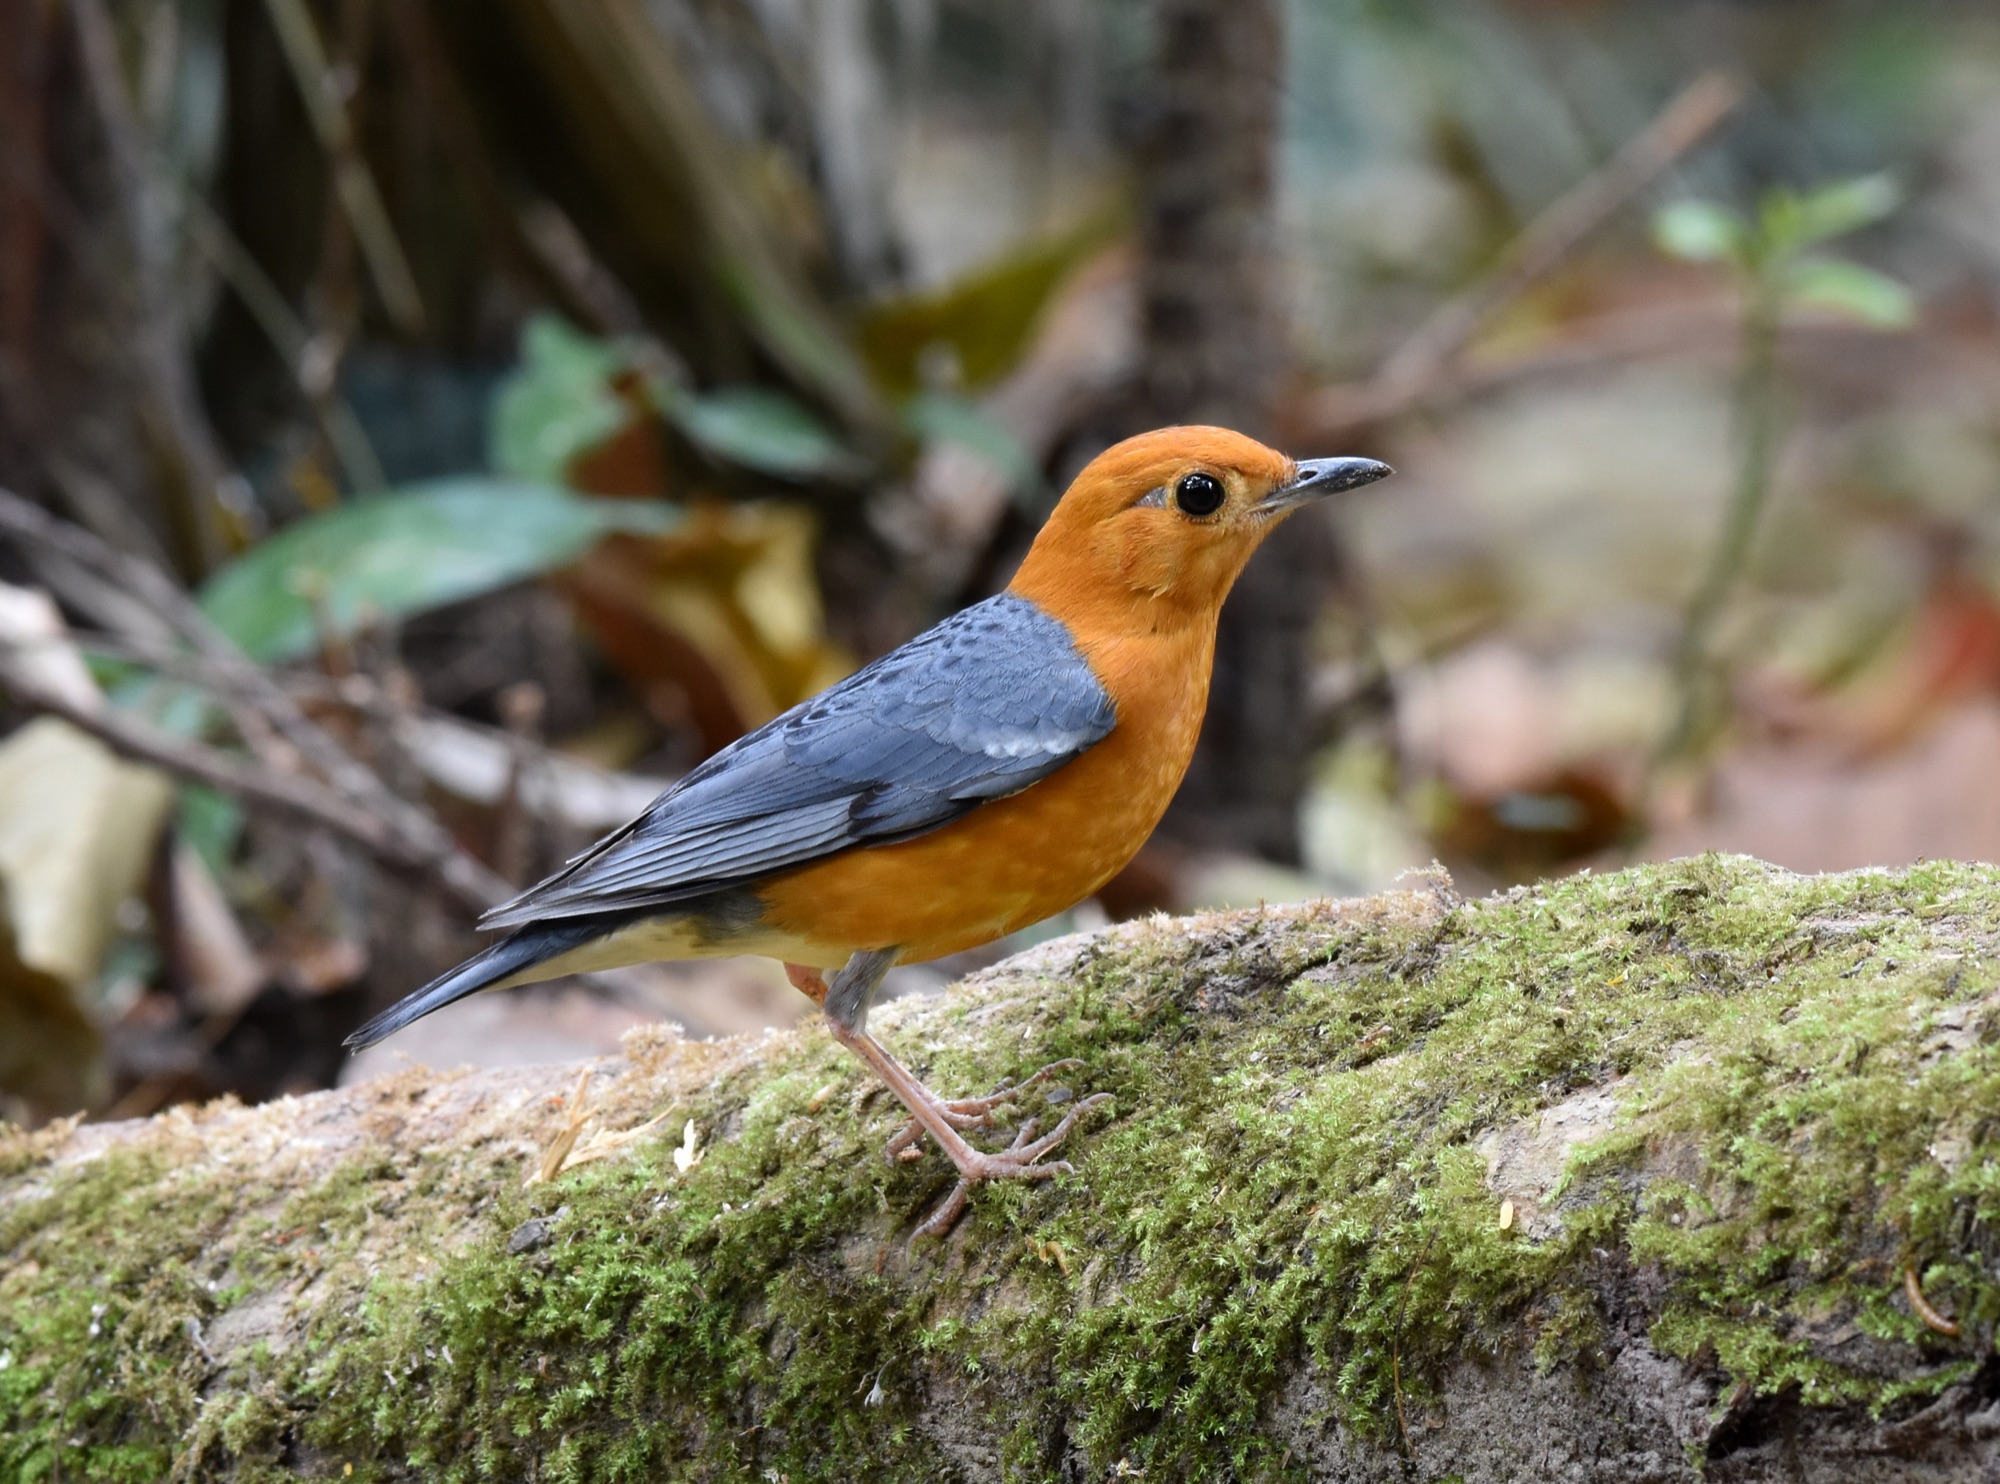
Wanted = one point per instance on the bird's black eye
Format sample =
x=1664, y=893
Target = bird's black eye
x=1200, y=494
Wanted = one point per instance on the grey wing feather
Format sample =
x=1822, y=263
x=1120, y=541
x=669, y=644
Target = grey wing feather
x=992, y=700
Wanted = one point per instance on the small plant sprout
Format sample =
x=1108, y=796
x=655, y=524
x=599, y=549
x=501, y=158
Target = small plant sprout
x=1772, y=256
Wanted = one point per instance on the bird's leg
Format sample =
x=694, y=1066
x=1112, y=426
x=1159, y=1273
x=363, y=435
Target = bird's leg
x=846, y=1001
x=808, y=981
x=968, y=1112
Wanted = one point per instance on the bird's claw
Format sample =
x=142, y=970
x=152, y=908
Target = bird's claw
x=974, y=1112
x=978, y=1111
x=1019, y=1161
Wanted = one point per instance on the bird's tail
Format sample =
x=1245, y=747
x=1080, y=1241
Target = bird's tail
x=512, y=954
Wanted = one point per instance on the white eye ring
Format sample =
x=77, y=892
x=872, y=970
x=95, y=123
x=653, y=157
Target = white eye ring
x=1154, y=499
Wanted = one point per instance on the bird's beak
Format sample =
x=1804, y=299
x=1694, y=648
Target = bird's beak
x=1318, y=478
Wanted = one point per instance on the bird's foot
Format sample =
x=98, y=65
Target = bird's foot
x=1021, y=1160
x=967, y=1112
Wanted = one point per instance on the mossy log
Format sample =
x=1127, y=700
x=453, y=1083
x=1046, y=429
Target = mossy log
x=1687, y=1171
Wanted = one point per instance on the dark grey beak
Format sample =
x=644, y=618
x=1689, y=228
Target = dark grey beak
x=1318, y=478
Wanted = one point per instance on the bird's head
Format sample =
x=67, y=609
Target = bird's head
x=1159, y=526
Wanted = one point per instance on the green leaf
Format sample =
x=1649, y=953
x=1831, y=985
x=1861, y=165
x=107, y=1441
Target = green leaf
x=941, y=417
x=405, y=552
x=759, y=429
x=803, y=340
x=985, y=321
x=1871, y=297
x=1701, y=232
x=1835, y=210
x=557, y=403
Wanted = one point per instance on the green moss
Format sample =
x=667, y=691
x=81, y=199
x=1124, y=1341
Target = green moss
x=637, y=1305
x=101, y=1372
x=22, y=1149
x=1290, y=1178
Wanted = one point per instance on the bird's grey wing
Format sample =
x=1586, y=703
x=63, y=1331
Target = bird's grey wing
x=990, y=701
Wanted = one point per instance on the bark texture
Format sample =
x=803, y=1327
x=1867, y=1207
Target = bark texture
x=1688, y=1171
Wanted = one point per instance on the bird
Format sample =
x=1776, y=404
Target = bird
x=990, y=773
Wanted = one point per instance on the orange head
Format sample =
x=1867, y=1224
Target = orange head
x=1154, y=531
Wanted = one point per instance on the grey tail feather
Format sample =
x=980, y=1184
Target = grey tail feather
x=515, y=952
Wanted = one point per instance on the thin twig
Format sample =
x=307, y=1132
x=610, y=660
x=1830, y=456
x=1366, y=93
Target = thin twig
x=1425, y=363
x=1913, y=1290
x=210, y=485
x=98, y=503
x=1710, y=329
x=1757, y=427
x=412, y=835
x=306, y=55
x=134, y=582
x=175, y=663
x=367, y=699
x=288, y=336
x=1564, y=227
x=305, y=798
x=239, y=269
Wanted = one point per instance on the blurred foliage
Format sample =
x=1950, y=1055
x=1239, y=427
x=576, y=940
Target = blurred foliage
x=974, y=331
x=77, y=833
x=384, y=557
x=610, y=114
x=817, y=247
x=557, y=402
x=1767, y=250
x=564, y=399
x=1766, y=255
x=934, y=417
x=755, y=427
x=716, y=621
x=717, y=626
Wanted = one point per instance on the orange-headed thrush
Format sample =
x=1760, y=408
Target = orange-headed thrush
x=992, y=772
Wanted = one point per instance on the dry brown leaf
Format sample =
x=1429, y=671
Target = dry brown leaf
x=77, y=830
x=557, y=1154
x=723, y=612
x=606, y=1141
x=564, y=1153
x=223, y=974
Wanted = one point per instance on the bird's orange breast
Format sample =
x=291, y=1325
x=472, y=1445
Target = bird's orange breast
x=1020, y=859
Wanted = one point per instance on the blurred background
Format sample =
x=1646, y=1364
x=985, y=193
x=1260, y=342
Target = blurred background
x=430, y=426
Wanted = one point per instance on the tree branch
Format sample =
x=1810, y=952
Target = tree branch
x=354, y=800
x=1423, y=365
x=304, y=798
